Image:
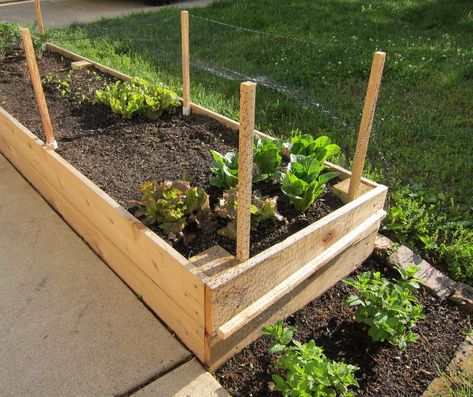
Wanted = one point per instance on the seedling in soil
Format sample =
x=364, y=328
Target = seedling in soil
x=172, y=205
x=304, y=181
x=389, y=308
x=267, y=159
x=262, y=208
x=137, y=97
x=304, y=370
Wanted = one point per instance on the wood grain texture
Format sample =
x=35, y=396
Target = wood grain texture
x=237, y=288
x=245, y=169
x=366, y=123
x=341, y=189
x=131, y=249
x=186, y=79
x=310, y=289
x=79, y=65
x=257, y=307
x=39, y=16
x=38, y=87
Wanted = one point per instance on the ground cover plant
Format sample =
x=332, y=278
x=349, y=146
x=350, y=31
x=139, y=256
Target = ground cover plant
x=316, y=81
x=389, y=308
x=305, y=369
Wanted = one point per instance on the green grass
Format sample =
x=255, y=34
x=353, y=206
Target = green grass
x=312, y=63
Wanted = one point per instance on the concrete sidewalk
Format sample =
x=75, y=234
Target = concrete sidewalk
x=58, y=13
x=69, y=326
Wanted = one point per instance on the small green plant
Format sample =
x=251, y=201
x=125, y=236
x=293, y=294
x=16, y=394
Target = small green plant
x=63, y=86
x=304, y=370
x=225, y=168
x=389, y=308
x=321, y=148
x=304, y=181
x=262, y=208
x=137, y=97
x=172, y=205
x=267, y=157
x=9, y=37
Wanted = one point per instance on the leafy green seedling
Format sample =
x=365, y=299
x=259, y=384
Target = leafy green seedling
x=321, y=148
x=304, y=181
x=225, y=168
x=267, y=157
x=389, y=308
x=137, y=97
x=303, y=368
x=172, y=205
x=262, y=208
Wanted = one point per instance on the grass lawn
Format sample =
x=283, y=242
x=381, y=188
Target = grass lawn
x=312, y=61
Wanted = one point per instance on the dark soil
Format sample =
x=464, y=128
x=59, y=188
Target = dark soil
x=385, y=370
x=118, y=155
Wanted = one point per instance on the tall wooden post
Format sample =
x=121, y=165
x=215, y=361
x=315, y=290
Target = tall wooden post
x=245, y=169
x=38, y=87
x=186, y=89
x=366, y=123
x=39, y=16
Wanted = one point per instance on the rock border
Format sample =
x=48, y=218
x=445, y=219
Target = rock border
x=439, y=284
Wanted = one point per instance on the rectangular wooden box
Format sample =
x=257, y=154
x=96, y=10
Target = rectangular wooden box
x=215, y=305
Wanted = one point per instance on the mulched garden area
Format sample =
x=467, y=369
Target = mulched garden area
x=118, y=155
x=385, y=370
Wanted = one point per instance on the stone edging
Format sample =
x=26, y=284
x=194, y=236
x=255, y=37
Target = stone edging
x=434, y=280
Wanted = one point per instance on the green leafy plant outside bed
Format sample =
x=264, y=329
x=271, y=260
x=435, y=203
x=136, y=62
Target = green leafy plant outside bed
x=137, y=96
x=389, y=308
x=304, y=370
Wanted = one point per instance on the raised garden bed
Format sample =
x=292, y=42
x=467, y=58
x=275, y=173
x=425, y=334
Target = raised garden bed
x=197, y=294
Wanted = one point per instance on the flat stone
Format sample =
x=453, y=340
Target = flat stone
x=433, y=279
x=462, y=364
x=382, y=243
x=463, y=296
x=69, y=326
x=188, y=380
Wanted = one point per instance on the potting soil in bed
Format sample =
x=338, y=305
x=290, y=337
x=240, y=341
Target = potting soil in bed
x=384, y=370
x=118, y=155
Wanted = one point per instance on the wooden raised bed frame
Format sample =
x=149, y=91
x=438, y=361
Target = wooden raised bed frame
x=215, y=305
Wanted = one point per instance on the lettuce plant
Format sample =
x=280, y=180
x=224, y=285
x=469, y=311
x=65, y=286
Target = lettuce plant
x=321, y=148
x=304, y=181
x=267, y=157
x=303, y=368
x=225, y=168
x=389, y=308
x=137, y=96
x=174, y=204
x=262, y=208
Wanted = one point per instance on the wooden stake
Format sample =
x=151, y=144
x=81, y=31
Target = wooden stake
x=245, y=168
x=366, y=123
x=186, y=89
x=39, y=16
x=38, y=87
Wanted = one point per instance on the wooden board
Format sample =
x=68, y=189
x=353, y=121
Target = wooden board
x=237, y=288
x=313, y=287
x=168, y=285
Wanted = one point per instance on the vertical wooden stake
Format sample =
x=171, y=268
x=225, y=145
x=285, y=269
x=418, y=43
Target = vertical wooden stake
x=366, y=123
x=38, y=87
x=186, y=89
x=39, y=16
x=245, y=169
